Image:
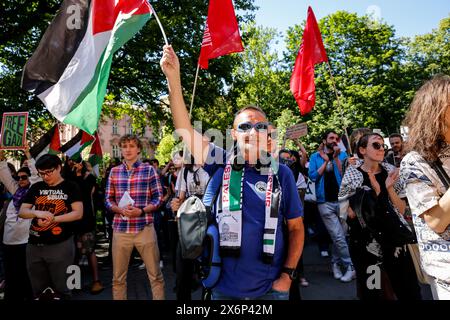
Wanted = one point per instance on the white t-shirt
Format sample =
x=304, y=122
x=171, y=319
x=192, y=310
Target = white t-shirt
x=195, y=185
x=301, y=183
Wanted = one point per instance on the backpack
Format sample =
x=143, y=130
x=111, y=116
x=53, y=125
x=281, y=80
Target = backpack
x=194, y=218
x=192, y=225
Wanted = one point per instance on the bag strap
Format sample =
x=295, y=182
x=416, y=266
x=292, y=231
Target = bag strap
x=185, y=174
x=216, y=175
x=443, y=176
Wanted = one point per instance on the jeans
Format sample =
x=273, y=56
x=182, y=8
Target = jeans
x=329, y=211
x=270, y=295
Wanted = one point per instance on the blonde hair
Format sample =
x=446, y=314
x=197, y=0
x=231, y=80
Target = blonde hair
x=426, y=118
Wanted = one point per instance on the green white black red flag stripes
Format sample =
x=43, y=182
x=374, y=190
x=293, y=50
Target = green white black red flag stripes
x=48, y=143
x=69, y=71
x=96, y=155
x=77, y=144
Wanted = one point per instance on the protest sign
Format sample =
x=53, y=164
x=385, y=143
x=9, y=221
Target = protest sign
x=14, y=129
x=296, y=131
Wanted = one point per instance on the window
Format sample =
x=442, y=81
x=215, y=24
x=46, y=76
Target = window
x=115, y=127
x=115, y=151
x=130, y=128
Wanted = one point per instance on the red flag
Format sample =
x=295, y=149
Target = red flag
x=311, y=52
x=96, y=155
x=221, y=35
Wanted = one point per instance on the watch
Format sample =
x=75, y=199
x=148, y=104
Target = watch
x=292, y=273
x=143, y=212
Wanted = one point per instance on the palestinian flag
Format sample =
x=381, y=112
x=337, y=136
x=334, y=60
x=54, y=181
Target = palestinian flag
x=77, y=144
x=69, y=70
x=48, y=143
x=96, y=155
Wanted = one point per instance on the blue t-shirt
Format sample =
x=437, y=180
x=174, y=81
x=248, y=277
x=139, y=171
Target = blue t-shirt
x=247, y=275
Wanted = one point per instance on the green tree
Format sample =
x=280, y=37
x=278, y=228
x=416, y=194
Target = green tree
x=136, y=77
x=365, y=60
x=165, y=148
x=260, y=78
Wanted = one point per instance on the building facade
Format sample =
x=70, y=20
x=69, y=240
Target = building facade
x=109, y=131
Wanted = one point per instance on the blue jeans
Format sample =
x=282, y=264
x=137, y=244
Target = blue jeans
x=270, y=295
x=329, y=212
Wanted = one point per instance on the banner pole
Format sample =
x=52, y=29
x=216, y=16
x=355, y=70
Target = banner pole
x=160, y=25
x=193, y=90
x=340, y=108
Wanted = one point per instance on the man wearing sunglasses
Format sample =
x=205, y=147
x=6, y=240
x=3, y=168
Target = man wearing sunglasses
x=325, y=169
x=253, y=247
x=52, y=204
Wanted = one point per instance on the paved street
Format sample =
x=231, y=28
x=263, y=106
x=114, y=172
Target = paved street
x=317, y=270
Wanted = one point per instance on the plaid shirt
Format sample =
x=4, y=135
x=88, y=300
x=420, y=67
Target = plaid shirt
x=143, y=185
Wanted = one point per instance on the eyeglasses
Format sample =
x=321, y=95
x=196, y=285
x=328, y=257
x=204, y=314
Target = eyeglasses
x=21, y=177
x=247, y=126
x=378, y=146
x=45, y=173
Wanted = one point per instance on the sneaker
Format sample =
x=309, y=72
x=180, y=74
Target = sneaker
x=349, y=275
x=324, y=254
x=96, y=287
x=303, y=282
x=83, y=261
x=161, y=264
x=337, y=273
x=142, y=266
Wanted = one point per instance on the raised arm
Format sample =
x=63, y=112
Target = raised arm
x=195, y=142
x=5, y=175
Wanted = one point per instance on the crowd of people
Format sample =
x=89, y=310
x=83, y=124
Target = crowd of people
x=378, y=209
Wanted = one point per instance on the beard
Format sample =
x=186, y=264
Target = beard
x=331, y=145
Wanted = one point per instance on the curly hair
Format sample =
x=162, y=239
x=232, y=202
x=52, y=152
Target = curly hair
x=426, y=118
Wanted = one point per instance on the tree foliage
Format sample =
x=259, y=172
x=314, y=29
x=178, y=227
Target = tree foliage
x=136, y=76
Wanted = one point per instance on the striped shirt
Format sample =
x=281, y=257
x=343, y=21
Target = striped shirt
x=144, y=187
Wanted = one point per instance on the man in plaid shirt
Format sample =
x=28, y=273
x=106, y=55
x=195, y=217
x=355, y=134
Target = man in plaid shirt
x=133, y=222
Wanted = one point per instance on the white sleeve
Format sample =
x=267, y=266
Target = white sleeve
x=34, y=174
x=7, y=179
x=180, y=185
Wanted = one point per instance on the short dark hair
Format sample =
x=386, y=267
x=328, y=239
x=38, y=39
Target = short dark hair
x=327, y=133
x=25, y=170
x=250, y=107
x=152, y=161
x=131, y=137
x=48, y=161
x=285, y=151
x=396, y=135
x=364, y=141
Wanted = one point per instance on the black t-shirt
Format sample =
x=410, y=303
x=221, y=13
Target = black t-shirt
x=87, y=223
x=331, y=185
x=57, y=200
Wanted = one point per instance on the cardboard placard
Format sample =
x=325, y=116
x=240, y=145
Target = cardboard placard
x=14, y=130
x=297, y=131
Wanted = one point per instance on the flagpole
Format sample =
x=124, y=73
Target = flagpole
x=160, y=25
x=193, y=90
x=339, y=106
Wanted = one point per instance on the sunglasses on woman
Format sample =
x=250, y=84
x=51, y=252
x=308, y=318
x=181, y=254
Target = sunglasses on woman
x=378, y=146
x=21, y=177
x=247, y=126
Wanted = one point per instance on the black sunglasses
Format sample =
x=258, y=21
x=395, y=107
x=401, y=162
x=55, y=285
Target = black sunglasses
x=247, y=126
x=378, y=146
x=21, y=177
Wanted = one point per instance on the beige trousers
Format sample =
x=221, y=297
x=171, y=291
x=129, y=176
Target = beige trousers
x=147, y=246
